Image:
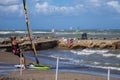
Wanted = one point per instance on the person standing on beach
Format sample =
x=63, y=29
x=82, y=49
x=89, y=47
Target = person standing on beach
x=16, y=49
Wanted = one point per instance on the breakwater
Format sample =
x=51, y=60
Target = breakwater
x=88, y=43
x=40, y=45
x=66, y=43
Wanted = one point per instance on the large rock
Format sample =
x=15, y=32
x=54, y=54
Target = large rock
x=116, y=45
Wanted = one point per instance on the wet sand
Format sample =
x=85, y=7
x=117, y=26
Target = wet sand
x=11, y=58
x=43, y=74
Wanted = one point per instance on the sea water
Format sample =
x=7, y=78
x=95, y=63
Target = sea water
x=93, y=61
x=108, y=34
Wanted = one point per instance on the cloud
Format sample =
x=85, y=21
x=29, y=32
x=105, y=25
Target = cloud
x=46, y=8
x=115, y=5
x=12, y=9
x=11, y=6
x=74, y=8
x=8, y=1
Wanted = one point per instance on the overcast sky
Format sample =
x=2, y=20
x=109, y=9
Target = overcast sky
x=61, y=14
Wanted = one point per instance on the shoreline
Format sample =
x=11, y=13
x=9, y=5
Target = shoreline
x=41, y=74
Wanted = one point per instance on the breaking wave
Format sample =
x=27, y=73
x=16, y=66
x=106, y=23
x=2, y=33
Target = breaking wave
x=89, y=52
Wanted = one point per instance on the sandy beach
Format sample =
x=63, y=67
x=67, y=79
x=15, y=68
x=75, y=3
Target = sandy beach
x=43, y=74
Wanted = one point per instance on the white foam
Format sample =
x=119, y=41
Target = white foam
x=62, y=58
x=108, y=55
x=20, y=31
x=41, y=32
x=118, y=56
x=98, y=33
x=9, y=32
x=111, y=55
x=89, y=52
x=96, y=63
x=81, y=62
x=63, y=33
x=95, y=51
x=5, y=32
x=80, y=52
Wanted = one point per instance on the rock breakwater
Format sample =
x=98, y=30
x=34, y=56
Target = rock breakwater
x=94, y=43
x=40, y=44
x=68, y=44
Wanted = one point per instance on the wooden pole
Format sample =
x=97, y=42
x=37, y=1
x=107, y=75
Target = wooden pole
x=29, y=32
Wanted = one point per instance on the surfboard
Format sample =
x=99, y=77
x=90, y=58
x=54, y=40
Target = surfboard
x=39, y=67
x=32, y=66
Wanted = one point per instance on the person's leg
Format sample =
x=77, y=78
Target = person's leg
x=23, y=62
x=22, y=58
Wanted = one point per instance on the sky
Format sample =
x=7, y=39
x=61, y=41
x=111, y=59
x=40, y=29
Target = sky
x=60, y=14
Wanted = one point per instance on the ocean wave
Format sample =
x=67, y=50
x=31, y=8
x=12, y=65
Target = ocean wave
x=38, y=32
x=91, y=57
x=94, y=51
x=109, y=55
x=96, y=63
x=21, y=32
x=118, y=56
x=106, y=67
x=98, y=33
x=5, y=32
x=67, y=60
x=89, y=52
x=11, y=32
x=64, y=58
x=91, y=64
x=62, y=33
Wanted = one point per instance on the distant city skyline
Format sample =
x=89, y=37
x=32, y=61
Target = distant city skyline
x=60, y=14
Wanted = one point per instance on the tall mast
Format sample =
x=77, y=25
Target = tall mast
x=29, y=31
